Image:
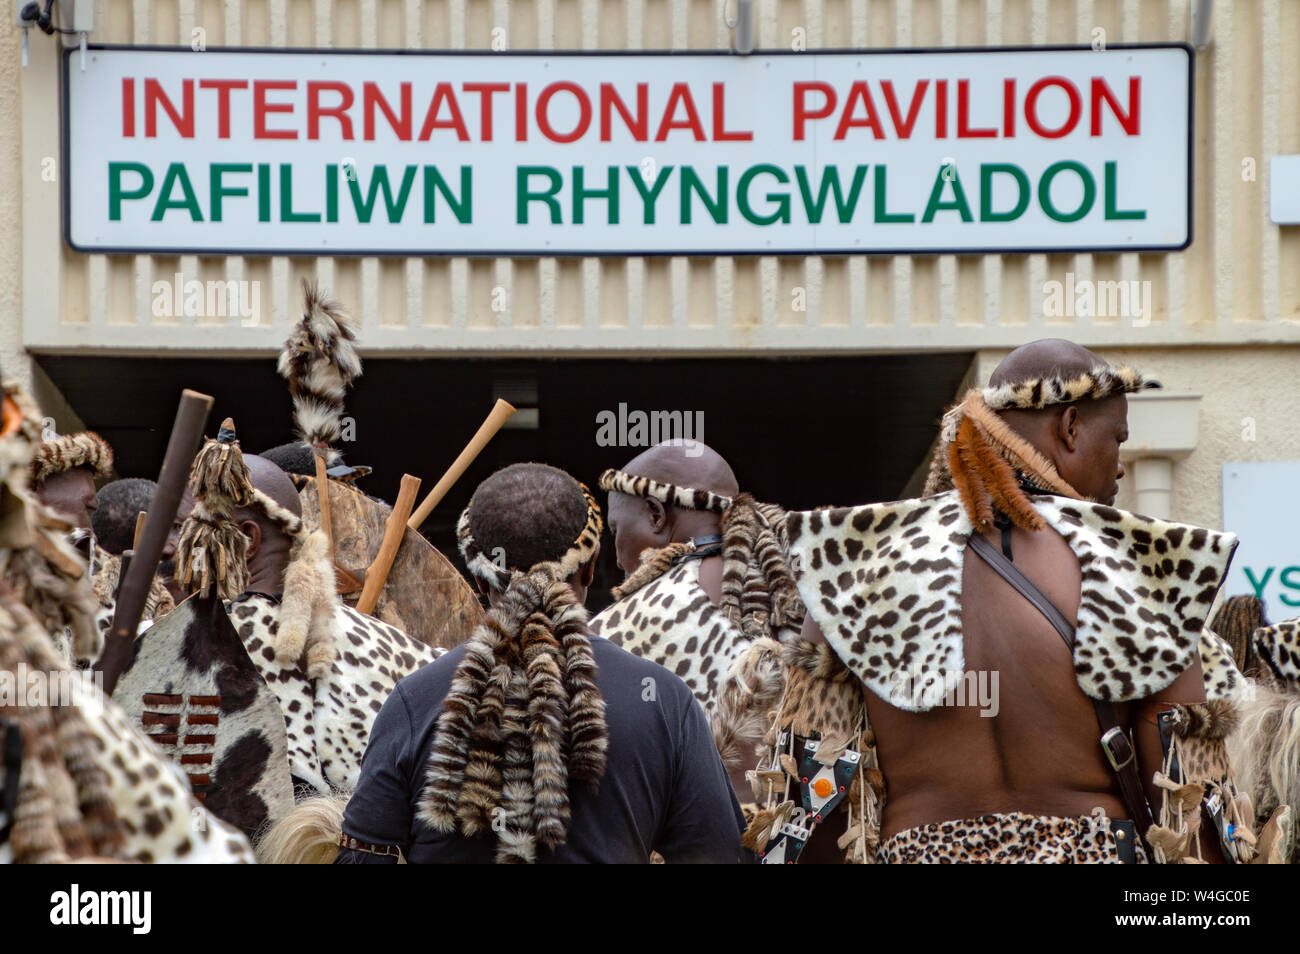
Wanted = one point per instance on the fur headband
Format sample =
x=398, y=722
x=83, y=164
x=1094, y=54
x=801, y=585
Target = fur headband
x=497, y=577
x=669, y=495
x=64, y=452
x=1038, y=393
x=985, y=460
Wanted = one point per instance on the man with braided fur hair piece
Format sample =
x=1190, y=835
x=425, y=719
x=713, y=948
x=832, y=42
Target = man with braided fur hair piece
x=1021, y=570
x=532, y=742
x=265, y=632
x=707, y=593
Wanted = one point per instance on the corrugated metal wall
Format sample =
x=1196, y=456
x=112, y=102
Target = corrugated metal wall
x=1239, y=282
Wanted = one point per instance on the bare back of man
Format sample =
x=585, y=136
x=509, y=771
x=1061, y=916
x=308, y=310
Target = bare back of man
x=1031, y=746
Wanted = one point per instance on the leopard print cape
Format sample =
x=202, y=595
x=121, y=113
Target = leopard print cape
x=327, y=721
x=1278, y=648
x=1219, y=672
x=883, y=581
x=672, y=621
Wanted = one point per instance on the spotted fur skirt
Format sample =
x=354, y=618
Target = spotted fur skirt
x=1008, y=838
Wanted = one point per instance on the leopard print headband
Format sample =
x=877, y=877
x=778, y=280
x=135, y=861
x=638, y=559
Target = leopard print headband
x=1038, y=393
x=497, y=577
x=670, y=495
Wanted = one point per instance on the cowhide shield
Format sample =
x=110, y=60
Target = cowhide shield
x=424, y=596
x=193, y=690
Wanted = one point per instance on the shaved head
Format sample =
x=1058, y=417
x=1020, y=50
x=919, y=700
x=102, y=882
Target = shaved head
x=639, y=524
x=686, y=464
x=1081, y=439
x=1048, y=357
x=271, y=480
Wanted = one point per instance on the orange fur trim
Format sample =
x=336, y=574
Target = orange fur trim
x=965, y=478
x=1019, y=451
x=999, y=478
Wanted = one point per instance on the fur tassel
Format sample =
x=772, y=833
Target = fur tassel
x=212, y=547
x=1215, y=720
x=220, y=474
x=966, y=477
x=307, y=621
x=320, y=361
x=308, y=835
x=759, y=831
x=743, y=713
x=654, y=564
x=212, y=553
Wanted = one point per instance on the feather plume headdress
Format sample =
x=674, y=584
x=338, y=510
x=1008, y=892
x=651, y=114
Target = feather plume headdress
x=320, y=362
x=984, y=459
x=212, y=554
x=524, y=717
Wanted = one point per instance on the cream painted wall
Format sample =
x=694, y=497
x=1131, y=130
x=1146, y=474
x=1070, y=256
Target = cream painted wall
x=1238, y=283
x=1237, y=385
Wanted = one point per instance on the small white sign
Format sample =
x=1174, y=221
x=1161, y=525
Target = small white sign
x=1284, y=190
x=1259, y=505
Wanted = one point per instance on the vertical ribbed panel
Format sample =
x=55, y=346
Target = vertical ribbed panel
x=1239, y=281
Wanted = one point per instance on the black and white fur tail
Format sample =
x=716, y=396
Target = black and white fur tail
x=320, y=361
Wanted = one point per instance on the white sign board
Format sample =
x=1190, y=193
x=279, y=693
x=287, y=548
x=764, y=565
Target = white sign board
x=317, y=152
x=1259, y=505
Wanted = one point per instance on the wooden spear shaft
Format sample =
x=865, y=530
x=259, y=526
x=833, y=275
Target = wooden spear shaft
x=499, y=415
x=323, y=493
x=187, y=433
x=377, y=572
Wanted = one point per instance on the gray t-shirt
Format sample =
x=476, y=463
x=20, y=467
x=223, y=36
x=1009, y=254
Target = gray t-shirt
x=664, y=789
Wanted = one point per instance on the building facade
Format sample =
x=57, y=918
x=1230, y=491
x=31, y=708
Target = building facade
x=1218, y=320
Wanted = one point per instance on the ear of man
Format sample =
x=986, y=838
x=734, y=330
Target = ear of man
x=1068, y=424
x=253, y=530
x=587, y=572
x=658, y=515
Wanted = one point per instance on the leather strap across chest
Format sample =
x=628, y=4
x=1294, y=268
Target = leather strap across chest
x=1115, y=742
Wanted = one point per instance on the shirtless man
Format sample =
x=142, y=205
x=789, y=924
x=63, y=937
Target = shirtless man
x=901, y=600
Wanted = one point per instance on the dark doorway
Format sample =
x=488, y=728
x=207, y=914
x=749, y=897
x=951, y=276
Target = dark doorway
x=800, y=432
